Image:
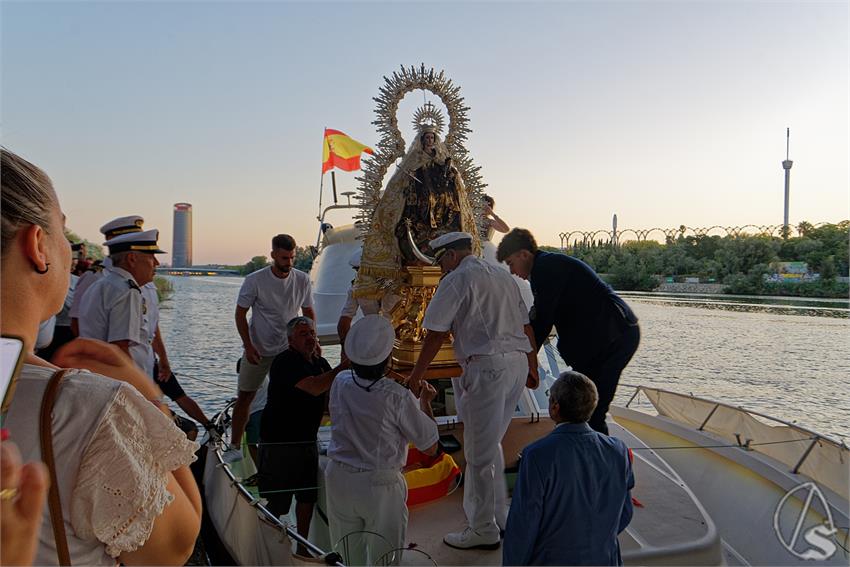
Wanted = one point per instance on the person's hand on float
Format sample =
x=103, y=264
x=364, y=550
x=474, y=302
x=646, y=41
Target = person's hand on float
x=427, y=393
x=414, y=382
x=23, y=489
x=108, y=360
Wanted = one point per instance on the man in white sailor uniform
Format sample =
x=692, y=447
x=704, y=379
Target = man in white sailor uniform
x=121, y=307
x=114, y=308
x=373, y=420
x=481, y=305
x=115, y=227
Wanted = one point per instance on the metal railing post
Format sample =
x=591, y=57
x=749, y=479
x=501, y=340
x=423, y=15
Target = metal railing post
x=806, y=454
x=711, y=413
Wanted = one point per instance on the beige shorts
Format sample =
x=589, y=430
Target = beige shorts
x=251, y=376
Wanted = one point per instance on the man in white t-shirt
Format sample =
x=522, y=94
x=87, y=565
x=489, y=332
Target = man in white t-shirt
x=275, y=295
x=480, y=304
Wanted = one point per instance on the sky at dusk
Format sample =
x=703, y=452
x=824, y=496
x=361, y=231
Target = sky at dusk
x=665, y=113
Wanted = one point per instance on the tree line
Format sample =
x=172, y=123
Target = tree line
x=740, y=262
x=303, y=261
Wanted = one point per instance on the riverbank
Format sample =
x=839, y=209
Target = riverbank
x=838, y=290
x=701, y=288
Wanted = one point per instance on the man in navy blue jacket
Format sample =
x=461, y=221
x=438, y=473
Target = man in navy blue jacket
x=597, y=331
x=572, y=497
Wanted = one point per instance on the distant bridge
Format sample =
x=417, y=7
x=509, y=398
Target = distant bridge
x=196, y=271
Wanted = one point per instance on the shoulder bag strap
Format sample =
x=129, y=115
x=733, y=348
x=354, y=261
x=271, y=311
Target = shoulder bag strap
x=46, y=435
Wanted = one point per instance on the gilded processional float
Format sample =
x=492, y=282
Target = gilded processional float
x=434, y=189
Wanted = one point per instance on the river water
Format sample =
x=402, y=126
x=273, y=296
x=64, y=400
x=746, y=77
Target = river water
x=786, y=358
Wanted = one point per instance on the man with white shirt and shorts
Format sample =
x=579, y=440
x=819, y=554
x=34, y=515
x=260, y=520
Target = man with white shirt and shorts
x=275, y=295
x=481, y=305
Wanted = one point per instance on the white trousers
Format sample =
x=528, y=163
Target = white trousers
x=365, y=501
x=486, y=395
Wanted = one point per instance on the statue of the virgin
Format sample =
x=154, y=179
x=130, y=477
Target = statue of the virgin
x=425, y=196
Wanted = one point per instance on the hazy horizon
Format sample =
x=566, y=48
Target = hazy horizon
x=665, y=113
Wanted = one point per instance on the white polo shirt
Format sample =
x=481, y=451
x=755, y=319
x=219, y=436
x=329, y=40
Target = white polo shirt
x=370, y=430
x=114, y=309
x=273, y=302
x=482, y=306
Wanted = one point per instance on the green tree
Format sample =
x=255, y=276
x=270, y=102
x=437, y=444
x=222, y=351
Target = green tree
x=629, y=272
x=827, y=269
x=93, y=250
x=304, y=258
x=256, y=263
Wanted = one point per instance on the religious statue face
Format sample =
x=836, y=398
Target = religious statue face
x=429, y=140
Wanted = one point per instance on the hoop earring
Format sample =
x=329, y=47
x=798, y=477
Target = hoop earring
x=44, y=271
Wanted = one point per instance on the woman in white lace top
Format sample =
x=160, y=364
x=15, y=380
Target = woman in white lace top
x=124, y=483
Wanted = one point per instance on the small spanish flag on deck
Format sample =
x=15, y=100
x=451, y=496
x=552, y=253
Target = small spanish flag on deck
x=340, y=151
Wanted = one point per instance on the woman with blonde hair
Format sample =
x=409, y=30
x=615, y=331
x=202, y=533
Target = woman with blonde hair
x=120, y=464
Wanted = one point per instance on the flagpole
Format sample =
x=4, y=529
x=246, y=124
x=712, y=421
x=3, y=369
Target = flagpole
x=322, y=178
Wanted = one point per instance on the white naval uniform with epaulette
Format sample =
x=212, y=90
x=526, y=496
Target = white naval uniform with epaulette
x=482, y=306
x=115, y=309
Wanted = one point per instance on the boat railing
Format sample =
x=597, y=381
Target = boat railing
x=802, y=450
x=334, y=207
x=216, y=446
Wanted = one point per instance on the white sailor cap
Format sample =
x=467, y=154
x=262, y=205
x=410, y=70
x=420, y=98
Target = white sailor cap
x=144, y=241
x=122, y=225
x=354, y=261
x=370, y=340
x=439, y=244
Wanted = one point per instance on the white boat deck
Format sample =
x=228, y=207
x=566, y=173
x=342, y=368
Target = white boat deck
x=681, y=494
x=667, y=518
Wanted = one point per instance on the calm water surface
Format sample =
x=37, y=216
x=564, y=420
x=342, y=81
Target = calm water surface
x=785, y=358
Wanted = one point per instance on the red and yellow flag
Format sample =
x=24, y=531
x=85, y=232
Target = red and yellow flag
x=338, y=150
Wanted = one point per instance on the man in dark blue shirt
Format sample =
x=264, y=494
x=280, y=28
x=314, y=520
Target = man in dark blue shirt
x=572, y=497
x=289, y=458
x=597, y=331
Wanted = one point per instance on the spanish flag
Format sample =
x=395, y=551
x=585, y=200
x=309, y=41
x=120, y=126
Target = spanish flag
x=338, y=150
